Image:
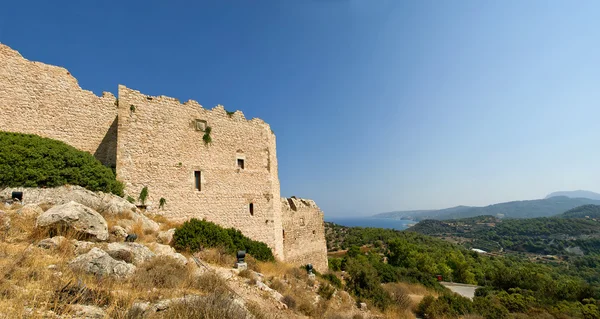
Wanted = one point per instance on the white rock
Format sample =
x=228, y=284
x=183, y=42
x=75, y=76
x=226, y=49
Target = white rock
x=98, y=262
x=103, y=203
x=138, y=252
x=166, y=250
x=82, y=247
x=30, y=210
x=118, y=231
x=76, y=216
x=165, y=237
x=87, y=312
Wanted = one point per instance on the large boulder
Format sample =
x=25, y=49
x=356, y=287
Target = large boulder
x=166, y=250
x=165, y=237
x=119, y=232
x=78, y=217
x=103, y=203
x=30, y=210
x=98, y=262
x=130, y=252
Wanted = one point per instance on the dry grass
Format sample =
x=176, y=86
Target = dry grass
x=160, y=272
x=217, y=256
x=211, y=306
x=210, y=282
x=165, y=223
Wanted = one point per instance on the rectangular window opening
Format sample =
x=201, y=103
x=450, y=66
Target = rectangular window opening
x=240, y=163
x=198, y=180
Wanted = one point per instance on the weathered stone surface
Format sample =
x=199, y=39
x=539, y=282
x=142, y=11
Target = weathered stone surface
x=166, y=250
x=103, y=203
x=304, y=233
x=86, y=312
x=148, y=225
x=30, y=210
x=165, y=237
x=82, y=247
x=119, y=232
x=76, y=216
x=98, y=262
x=130, y=252
x=51, y=243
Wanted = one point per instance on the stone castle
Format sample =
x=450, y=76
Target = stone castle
x=210, y=164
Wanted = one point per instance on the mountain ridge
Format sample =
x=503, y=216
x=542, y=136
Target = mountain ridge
x=514, y=209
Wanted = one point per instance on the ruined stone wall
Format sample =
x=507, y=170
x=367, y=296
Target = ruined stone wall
x=46, y=100
x=304, y=233
x=160, y=147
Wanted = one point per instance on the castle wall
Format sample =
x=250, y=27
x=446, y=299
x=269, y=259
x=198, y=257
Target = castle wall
x=46, y=100
x=304, y=229
x=160, y=147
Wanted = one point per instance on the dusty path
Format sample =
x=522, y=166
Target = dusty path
x=461, y=289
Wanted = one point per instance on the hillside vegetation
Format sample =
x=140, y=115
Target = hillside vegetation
x=512, y=286
x=516, y=209
x=32, y=161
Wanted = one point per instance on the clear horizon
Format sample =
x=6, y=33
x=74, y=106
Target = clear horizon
x=376, y=107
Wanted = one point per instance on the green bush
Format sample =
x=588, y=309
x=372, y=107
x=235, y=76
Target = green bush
x=333, y=279
x=32, y=161
x=197, y=234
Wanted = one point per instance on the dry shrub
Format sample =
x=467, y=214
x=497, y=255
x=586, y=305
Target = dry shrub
x=326, y=291
x=211, y=306
x=289, y=301
x=272, y=269
x=218, y=256
x=124, y=255
x=258, y=313
x=246, y=273
x=276, y=284
x=160, y=272
x=210, y=282
x=399, y=295
x=164, y=222
x=296, y=272
x=78, y=293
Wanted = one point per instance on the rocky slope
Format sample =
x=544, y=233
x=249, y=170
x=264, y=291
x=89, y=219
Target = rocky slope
x=63, y=254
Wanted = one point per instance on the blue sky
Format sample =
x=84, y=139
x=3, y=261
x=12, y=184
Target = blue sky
x=377, y=105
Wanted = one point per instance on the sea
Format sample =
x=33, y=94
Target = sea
x=371, y=222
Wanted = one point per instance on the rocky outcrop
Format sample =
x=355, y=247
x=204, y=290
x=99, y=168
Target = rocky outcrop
x=103, y=203
x=166, y=250
x=98, y=262
x=86, y=312
x=51, y=243
x=119, y=232
x=165, y=237
x=75, y=216
x=130, y=252
x=30, y=210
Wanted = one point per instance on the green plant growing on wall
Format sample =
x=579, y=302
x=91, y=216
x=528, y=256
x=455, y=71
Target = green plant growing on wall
x=143, y=195
x=180, y=164
x=162, y=202
x=130, y=199
x=206, y=138
x=229, y=113
x=132, y=108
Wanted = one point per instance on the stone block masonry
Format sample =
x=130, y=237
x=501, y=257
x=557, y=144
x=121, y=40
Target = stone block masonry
x=159, y=143
x=46, y=100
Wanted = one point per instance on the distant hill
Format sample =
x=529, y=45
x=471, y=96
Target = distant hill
x=576, y=194
x=517, y=209
x=564, y=234
x=591, y=211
